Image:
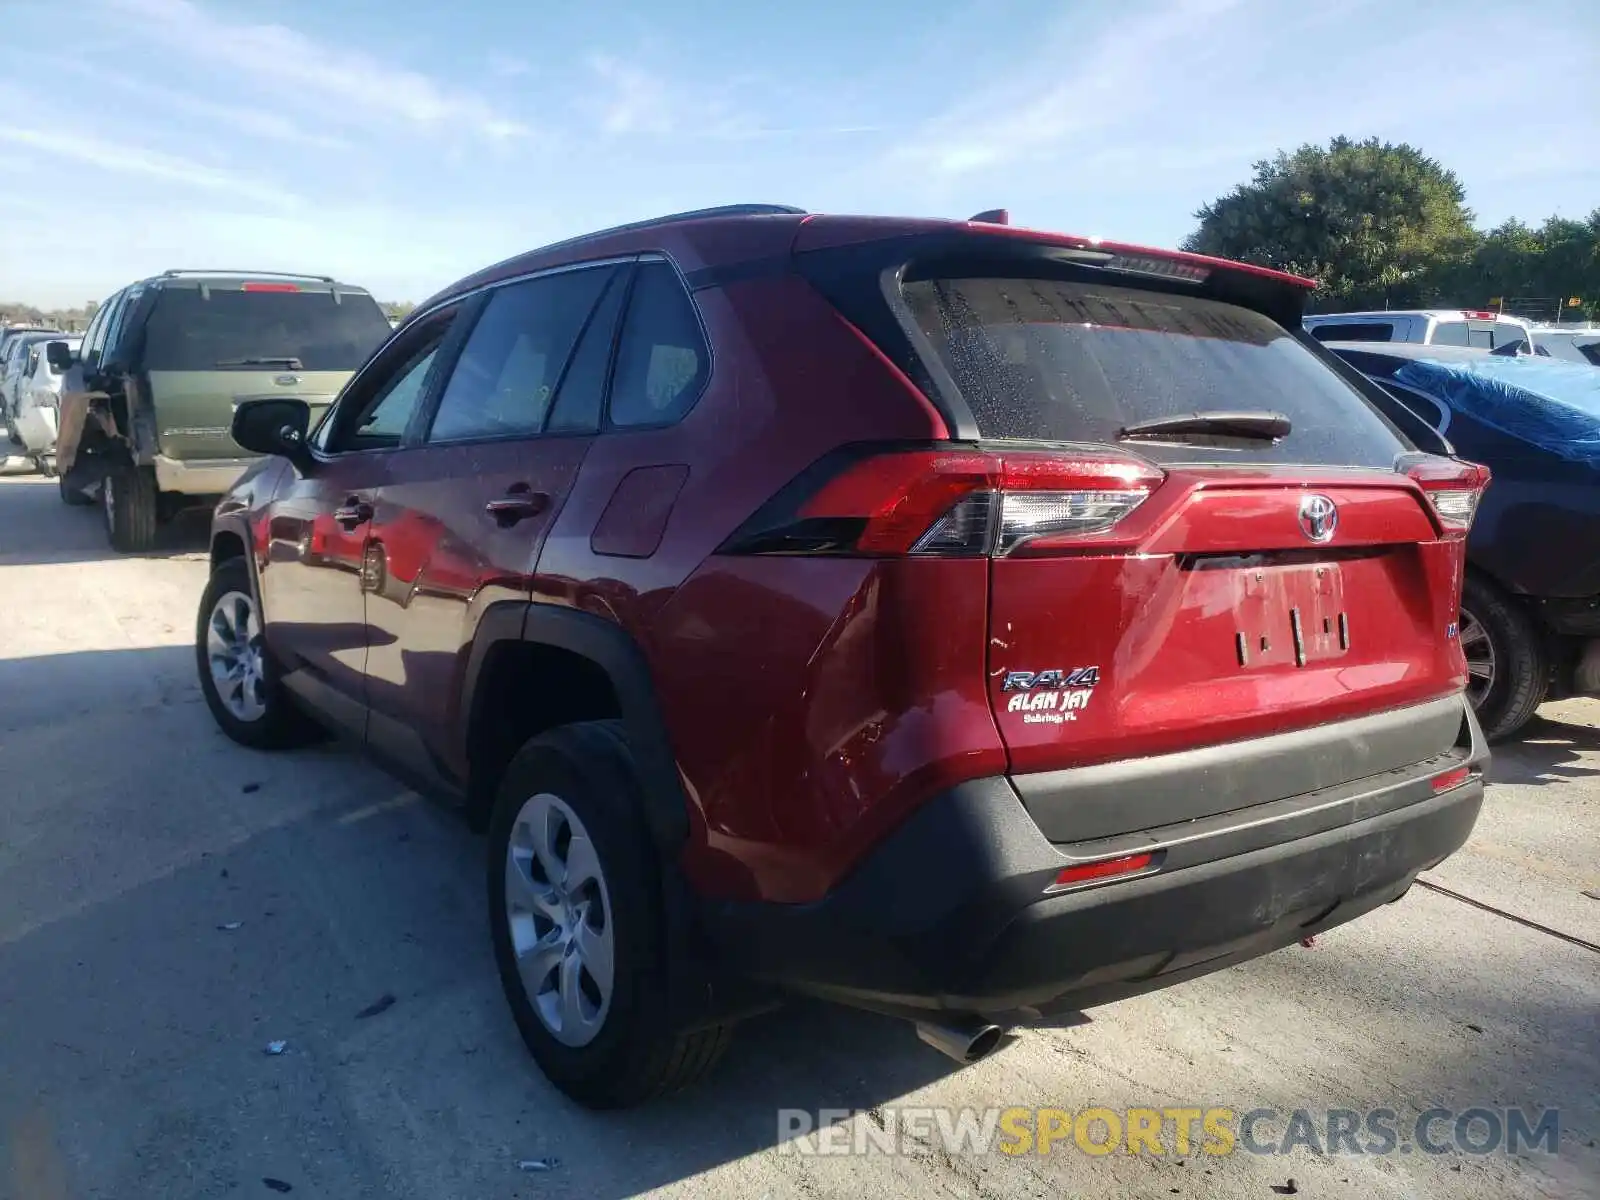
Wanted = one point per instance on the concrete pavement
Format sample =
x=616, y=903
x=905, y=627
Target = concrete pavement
x=132, y=1027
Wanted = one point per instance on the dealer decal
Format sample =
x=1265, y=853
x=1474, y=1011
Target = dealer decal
x=1051, y=697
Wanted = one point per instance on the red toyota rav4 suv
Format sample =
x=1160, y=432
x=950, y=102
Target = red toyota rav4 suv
x=945, y=618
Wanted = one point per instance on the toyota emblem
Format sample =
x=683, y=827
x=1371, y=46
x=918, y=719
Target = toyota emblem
x=1319, y=517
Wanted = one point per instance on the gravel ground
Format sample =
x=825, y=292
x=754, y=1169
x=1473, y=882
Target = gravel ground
x=132, y=1027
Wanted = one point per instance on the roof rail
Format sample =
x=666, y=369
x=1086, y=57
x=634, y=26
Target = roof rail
x=180, y=273
x=696, y=214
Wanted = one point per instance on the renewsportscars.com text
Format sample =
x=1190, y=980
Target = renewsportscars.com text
x=1168, y=1130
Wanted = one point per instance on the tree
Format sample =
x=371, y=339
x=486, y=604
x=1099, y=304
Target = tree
x=1534, y=271
x=1373, y=222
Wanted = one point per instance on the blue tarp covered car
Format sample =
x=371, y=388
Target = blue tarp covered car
x=1530, y=622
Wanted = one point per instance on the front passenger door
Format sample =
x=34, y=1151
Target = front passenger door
x=312, y=584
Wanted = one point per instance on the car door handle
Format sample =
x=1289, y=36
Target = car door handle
x=518, y=504
x=352, y=513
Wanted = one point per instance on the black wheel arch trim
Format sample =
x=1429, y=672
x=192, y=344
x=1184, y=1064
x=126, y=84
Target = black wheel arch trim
x=614, y=651
x=239, y=527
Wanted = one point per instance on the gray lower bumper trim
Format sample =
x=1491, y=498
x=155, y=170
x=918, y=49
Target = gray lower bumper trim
x=1084, y=803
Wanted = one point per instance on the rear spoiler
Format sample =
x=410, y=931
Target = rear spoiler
x=926, y=246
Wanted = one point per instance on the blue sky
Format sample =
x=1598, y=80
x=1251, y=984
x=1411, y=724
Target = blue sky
x=400, y=144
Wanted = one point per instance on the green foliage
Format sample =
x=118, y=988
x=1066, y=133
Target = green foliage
x=1368, y=220
x=1382, y=225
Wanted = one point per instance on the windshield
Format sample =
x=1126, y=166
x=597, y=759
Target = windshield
x=1068, y=361
x=205, y=329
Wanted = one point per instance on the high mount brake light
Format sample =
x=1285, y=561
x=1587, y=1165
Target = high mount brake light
x=1453, y=488
x=269, y=287
x=955, y=502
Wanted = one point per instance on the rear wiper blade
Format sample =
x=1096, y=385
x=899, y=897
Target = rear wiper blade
x=292, y=363
x=1252, y=425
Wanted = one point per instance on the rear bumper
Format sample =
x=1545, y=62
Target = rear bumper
x=951, y=912
x=199, y=477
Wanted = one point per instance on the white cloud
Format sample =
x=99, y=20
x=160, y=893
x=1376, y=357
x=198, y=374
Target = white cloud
x=254, y=121
x=337, y=81
x=132, y=160
x=507, y=66
x=1073, y=87
x=632, y=100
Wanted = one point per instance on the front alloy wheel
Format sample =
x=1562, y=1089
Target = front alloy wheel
x=558, y=910
x=234, y=654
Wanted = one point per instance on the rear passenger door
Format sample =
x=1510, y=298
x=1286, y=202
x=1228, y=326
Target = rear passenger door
x=459, y=524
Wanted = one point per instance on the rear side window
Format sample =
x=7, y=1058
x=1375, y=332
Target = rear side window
x=215, y=328
x=1354, y=331
x=662, y=360
x=1509, y=335
x=506, y=377
x=1077, y=362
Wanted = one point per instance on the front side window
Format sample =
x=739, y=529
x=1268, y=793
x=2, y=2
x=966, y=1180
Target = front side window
x=506, y=378
x=94, y=346
x=376, y=409
x=662, y=359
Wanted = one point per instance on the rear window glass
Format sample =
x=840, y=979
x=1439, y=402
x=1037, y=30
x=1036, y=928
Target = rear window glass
x=222, y=328
x=1068, y=361
x=1449, y=333
x=1354, y=331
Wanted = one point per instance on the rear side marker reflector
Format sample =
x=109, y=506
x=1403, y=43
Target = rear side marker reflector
x=1104, y=871
x=1451, y=779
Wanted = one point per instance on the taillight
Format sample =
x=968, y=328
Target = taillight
x=1453, y=488
x=950, y=502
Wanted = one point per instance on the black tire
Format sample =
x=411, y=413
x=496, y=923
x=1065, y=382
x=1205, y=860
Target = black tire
x=282, y=725
x=71, y=496
x=1521, y=664
x=131, y=505
x=636, y=1056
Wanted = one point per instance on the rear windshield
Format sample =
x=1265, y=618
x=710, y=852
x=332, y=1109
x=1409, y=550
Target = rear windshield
x=194, y=329
x=1353, y=331
x=1068, y=361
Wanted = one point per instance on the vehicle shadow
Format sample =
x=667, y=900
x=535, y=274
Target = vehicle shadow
x=1548, y=750
x=171, y=903
x=37, y=529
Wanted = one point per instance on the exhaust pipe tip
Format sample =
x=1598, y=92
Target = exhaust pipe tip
x=965, y=1042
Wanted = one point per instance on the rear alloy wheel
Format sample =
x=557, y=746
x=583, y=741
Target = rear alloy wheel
x=130, y=501
x=575, y=915
x=558, y=912
x=1508, y=671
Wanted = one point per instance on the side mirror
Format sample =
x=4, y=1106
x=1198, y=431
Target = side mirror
x=60, y=357
x=274, y=427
